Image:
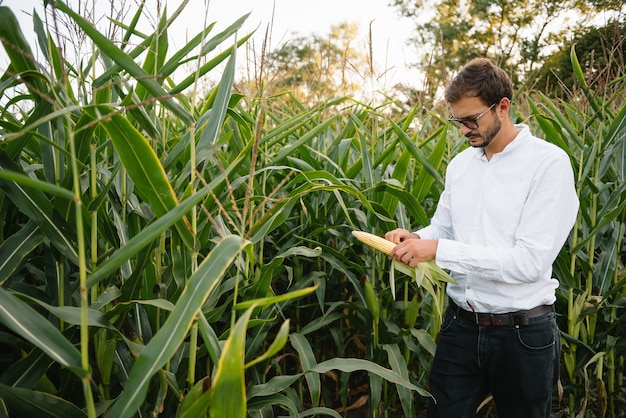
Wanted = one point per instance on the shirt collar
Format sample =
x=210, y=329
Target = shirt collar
x=524, y=132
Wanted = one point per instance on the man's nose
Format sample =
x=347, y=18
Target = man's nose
x=465, y=130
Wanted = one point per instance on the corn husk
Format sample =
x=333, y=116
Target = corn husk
x=426, y=274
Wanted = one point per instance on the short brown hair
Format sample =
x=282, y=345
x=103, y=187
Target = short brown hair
x=480, y=78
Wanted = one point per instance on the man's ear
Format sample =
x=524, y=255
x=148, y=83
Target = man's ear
x=505, y=104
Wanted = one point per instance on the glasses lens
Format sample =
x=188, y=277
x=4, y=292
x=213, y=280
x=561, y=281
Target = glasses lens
x=471, y=124
x=454, y=123
x=468, y=123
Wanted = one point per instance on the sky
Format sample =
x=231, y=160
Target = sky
x=290, y=18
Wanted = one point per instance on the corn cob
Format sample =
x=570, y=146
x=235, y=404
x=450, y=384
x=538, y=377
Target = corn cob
x=425, y=269
x=426, y=274
x=374, y=241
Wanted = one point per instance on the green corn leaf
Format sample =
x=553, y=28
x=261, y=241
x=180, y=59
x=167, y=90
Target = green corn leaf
x=195, y=403
x=127, y=63
x=308, y=137
x=27, y=323
x=273, y=401
x=376, y=390
x=364, y=138
x=155, y=55
x=276, y=299
x=228, y=394
x=318, y=181
x=15, y=248
x=392, y=278
x=320, y=411
x=72, y=314
x=177, y=58
x=220, y=105
x=275, y=385
x=144, y=238
x=19, y=52
x=307, y=361
x=399, y=194
x=425, y=180
x=205, y=68
x=29, y=403
x=221, y=37
x=326, y=320
x=563, y=122
x=609, y=216
x=35, y=204
x=417, y=153
x=349, y=365
x=552, y=133
x=143, y=167
x=425, y=340
x=412, y=312
x=28, y=370
x=580, y=76
x=279, y=342
x=43, y=113
x=398, y=178
x=617, y=129
x=397, y=363
x=35, y=184
x=130, y=30
x=211, y=341
x=166, y=341
x=371, y=299
x=279, y=213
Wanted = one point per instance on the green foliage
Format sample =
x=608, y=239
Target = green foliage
x=600, y=50
x=519, y=35
x=147, y=220
x=591, y=127
x=168, y=252
x=317, y=69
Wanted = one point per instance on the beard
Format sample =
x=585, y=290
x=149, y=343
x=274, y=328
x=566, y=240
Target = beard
x=488, y=136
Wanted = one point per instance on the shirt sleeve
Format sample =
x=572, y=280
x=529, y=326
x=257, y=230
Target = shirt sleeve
x=441, y=223
x=548, y=215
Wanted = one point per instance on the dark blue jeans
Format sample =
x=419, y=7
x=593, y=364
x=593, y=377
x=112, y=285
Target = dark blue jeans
x=519, y=366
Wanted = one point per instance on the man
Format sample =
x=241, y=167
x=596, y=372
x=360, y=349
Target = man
x=508, y=205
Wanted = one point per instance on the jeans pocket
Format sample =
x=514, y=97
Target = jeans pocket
x=538, y=336
x=448, y=318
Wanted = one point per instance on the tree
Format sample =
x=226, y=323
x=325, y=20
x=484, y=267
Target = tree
x=601, y=50
x=515, y=33
x=317, y=68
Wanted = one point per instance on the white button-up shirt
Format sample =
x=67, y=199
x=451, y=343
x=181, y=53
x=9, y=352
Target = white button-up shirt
x=502, y=222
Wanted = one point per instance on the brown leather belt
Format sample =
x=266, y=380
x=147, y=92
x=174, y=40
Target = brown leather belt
x=499, y=320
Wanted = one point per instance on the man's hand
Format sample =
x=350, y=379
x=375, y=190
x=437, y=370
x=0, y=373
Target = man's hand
x=400, y=235
x=411, y=249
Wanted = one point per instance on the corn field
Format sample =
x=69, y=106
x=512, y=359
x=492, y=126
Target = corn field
x=168, y=251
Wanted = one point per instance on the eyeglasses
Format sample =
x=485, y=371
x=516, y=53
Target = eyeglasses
x=470, y=123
